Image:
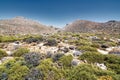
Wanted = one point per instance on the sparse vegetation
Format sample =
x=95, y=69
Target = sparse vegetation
x=53, y=57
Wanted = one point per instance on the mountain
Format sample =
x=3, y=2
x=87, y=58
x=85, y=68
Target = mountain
x=111, y=26
x=21, y=25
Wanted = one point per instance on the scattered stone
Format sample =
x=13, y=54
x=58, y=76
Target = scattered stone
x=77, y=53
x=102, y=66
x=75, y=62
x=102, y=51
x=9, y=53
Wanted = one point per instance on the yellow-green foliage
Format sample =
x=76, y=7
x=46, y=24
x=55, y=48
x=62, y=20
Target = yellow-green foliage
x=19, y=52
x=87, y=48
x=50, y=72
x=14, y=70
x=18, y=72
x=92, y=57
x=2, y=53
x=87, y=72
x=66, y=60
x=8, y=38
x=105, y=78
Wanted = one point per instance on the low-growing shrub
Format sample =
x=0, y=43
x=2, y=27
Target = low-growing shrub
x=87, y=48
x=2, y=53
x=19, y=52
x=49, y=71
x=92, y=57
x=57, y=56
x=51, y=42
x=66, y=60
x=32, y=59
x=33, y=39
x=87, y=72
x=34, y=74
x=18, y=72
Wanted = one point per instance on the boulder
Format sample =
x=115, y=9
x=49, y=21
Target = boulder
x=75, y=62
x=77, y=53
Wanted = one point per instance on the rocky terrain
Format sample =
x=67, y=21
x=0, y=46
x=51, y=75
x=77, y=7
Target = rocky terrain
x=84, y=50
x=59, y=56
x=21, y=25
x=89, y=26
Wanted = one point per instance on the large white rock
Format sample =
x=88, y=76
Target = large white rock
x=102, y=51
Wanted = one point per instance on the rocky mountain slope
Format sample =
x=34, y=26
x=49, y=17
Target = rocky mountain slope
x=21, y=25
x=89, y=26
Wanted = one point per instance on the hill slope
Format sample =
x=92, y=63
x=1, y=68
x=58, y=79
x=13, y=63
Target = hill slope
x=89, y=26
x=21, y=25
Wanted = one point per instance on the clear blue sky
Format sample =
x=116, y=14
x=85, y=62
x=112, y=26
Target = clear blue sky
x=60, y=12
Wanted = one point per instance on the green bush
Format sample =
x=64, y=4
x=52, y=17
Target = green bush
x=18, y=72
x=13, y=70
x=87, y=48
x=57, y=56
x=19, y=52
x=66, y=60
x=51, y=42
x=33, y=39
x=9, y=38
x=113, y=63
x=92, y=57
x=2, y=53
x=87, y=72
x=49, y=71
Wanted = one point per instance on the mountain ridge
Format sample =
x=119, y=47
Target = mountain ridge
x=111, y=26
x=21, y=25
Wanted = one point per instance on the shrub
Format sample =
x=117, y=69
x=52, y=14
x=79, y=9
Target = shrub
x=105, y=78
x=19, y=52
x=34, y=74
x=18, y=72
x=3, y=74
x=33, y=39
x=87, y=48
x=92, y=57
x=57, y=56
x=32, y=59
x=87, y=72
x=66, y=60
x=2, y=53
x=9, y=39
x=113, y=63
x=51, y=42
x=49, y=71
x=13, y=70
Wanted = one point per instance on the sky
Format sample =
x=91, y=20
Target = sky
x=61, y=12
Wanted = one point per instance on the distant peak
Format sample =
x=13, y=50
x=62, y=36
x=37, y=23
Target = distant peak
x=19, y=17
x=112, y=21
